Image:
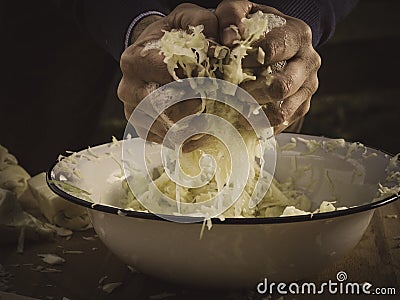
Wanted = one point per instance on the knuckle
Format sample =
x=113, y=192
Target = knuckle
x=313, y=86
x=121, y=91
x=312, y=61
x=127, y=60
x=306, y=32
x=124, y=62
x=313, y=89
x=318, y=60
x=315, y=60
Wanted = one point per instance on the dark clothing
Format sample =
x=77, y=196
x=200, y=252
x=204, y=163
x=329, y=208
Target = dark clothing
x=108, y=20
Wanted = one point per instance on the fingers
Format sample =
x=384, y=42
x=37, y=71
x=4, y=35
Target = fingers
x=290, y=106
x=131, y=93
x=147, y=118
x=231, y=13
x=148, y=128
x=293, y=107
x=285, y=42
x=274, y=113
x=147, y=68
x=142, y=66
x=297, y=106
x=300, y=112
x=182, y=109
x=289, y=36
x=287, y=81
x=188, y=14
x=279, y=44
x=286, y=95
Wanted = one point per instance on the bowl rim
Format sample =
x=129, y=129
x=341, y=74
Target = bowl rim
x=227, y=221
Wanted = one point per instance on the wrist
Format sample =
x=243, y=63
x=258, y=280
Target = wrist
x=139, y=24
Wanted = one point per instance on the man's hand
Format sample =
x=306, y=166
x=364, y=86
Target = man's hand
x=142, y=70
x=288, y=96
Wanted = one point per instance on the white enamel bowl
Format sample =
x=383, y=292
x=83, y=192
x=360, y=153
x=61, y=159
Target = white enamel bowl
x=238, y=251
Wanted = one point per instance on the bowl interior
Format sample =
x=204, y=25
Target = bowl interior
x=346, y=174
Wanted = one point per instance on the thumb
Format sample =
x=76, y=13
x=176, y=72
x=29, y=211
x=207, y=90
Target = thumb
x=231, y=12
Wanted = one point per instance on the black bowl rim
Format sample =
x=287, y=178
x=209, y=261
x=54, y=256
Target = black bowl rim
x=185, y=219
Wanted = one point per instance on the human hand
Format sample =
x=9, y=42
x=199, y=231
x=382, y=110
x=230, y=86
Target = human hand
x=144, y=70
x=288, y=96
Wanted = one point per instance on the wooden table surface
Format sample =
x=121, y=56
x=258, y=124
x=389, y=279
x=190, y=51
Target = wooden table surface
x=376, y=259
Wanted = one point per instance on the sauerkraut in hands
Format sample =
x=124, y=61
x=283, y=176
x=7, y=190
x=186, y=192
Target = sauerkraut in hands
x=189, y=51
x=240, y=41
x=144, y=70
x=288, y=96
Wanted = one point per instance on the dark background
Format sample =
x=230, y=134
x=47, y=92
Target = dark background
x=58, y=88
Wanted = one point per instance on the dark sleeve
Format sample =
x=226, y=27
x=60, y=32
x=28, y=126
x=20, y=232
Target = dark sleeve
x=107, y=21
x=321, y=15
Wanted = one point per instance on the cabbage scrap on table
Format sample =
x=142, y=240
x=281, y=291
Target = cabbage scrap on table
x=29, y=209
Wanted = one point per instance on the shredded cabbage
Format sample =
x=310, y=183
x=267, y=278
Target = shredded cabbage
x=189, y=51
